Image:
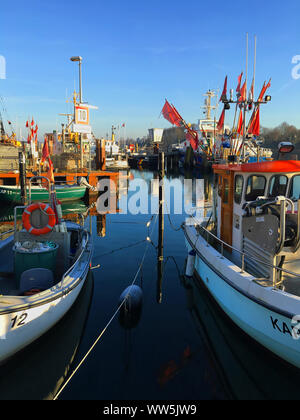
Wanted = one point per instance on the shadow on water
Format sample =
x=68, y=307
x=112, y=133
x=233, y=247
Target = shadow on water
x=247, y=371
x=38, y=371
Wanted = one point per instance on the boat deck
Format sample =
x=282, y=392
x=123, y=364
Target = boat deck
x=290, y=284
x=8, y=283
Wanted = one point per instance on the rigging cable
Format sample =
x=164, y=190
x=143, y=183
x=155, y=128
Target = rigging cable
x=107, y=325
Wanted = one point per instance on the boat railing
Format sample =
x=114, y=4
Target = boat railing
x=16, y=208
x=38, y=178
x=274, y=269
x=8, y=232
x=77, y=262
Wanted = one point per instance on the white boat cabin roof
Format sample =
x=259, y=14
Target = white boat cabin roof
x=269, y=178
x=239, y=184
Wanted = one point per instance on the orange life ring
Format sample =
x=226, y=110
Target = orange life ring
x=26, y=218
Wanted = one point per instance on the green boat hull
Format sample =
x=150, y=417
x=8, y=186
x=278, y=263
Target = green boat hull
x=66, y=193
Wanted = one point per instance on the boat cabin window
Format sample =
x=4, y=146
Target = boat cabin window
x=256, y=185
x=295, y=188
x=278, y=185
x=226, y=191
x=220, y=186
x=238, y=188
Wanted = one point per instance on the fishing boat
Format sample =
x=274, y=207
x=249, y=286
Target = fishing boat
x=43, y=269
x=213, y=146
x=248, y=253
x=205, y=128
x=66, y=192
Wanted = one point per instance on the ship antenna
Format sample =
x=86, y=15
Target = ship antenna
x=245, y=102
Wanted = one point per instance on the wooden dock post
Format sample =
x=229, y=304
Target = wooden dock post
x=160, y=253
x=22, y=172
x=100, y=155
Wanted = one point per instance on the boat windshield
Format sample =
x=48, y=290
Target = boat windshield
x=278, y=185
x=295, y=188
x=255, y=187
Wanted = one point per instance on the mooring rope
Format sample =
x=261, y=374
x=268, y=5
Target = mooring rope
x=121, y=249
x=108, y=324
x=170, y=221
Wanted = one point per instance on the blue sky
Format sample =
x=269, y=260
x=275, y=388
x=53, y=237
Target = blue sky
x=137, y=53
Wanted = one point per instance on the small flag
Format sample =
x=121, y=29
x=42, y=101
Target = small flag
x=238, y=89
x=171, y=115
x=50, y=174
x=45, y=151
x=243, y=98
x=192, y=137
x=263, y=91
x=254, y=127
x=240, y=126
x=224, y=93
x=220, y=125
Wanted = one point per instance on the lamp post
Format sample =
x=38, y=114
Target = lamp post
x=79, y=60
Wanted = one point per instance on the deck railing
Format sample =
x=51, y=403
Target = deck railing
x=6, y=233
x=274, y=269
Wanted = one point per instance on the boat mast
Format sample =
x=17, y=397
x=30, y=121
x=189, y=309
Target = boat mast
x=208, y=108
x=2, y=130
x=207, y=103
x=254, y=67
x=245, y=102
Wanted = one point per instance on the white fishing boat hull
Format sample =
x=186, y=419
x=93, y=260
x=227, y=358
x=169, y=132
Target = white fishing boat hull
x=21, y=322
x=264, y=313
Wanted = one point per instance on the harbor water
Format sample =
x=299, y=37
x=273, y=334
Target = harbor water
x=180, y=346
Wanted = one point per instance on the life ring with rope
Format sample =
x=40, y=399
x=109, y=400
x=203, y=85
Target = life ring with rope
x=46, y=208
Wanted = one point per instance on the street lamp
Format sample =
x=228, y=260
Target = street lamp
x=79, y=59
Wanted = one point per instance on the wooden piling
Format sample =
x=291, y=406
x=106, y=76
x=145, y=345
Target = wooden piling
x=160, y=253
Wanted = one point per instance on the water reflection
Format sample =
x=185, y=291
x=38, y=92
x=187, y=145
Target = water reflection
x=163, y=351
x=40, y=369
x=246, y=370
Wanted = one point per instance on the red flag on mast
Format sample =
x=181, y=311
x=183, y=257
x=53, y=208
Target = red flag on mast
x=240, y=126
x=178, y=116
x=224, y=93
x=192, y=137
x=220, y=125
x=45, y=151
x=238, y=89
x=50, y=174
x=263, y=91
x=170, y=114
x=46, y=156
x=243, y=98
x=255, y=125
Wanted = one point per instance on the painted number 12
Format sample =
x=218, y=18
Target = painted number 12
x=17, y=321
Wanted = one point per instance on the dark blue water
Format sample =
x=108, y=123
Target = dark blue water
x=183, y=348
